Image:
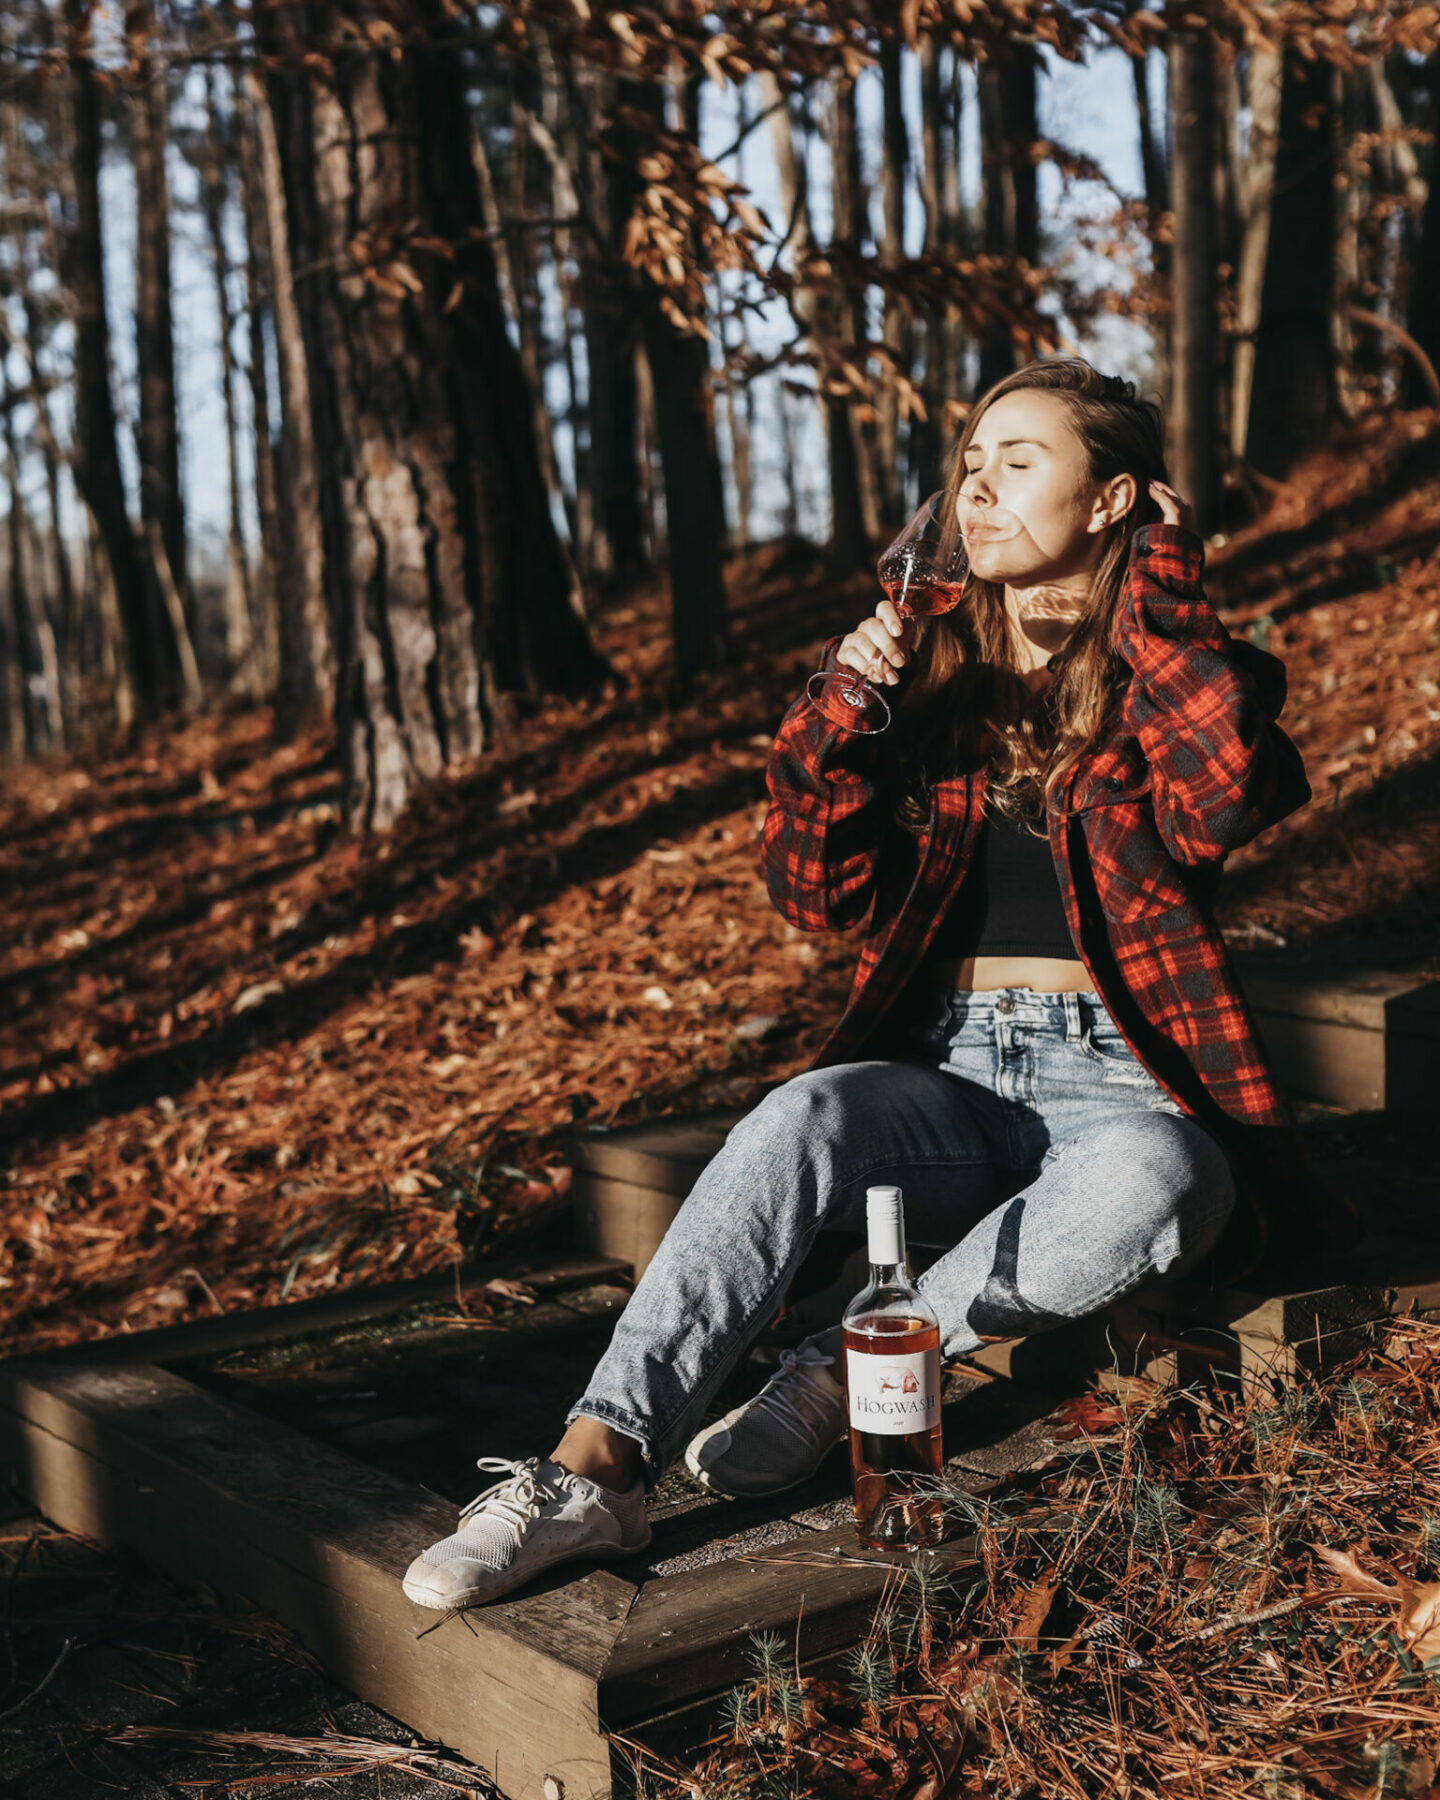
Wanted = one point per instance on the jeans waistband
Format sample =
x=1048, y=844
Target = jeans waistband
x=1016, y=999
x=1066, y=1011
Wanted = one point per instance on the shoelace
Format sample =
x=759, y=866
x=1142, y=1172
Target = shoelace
x=515, y=1500
x=773, y=1396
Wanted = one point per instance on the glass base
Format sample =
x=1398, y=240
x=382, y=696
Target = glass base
x=844, y=699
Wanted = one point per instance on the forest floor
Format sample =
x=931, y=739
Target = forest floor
x=245, y=1058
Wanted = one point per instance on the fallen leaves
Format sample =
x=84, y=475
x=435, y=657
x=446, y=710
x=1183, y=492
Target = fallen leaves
x=1418, y=1621
x=358, y=1027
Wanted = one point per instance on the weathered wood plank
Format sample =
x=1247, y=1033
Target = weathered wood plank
x=1355, y=1037
x=297, y=1318
x=212, y=1492
x=650, y=1155
x=689, y=1634
x=1179, y=1330
x=625, y=1219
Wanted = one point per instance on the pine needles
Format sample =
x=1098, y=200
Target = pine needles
x=1153, y=1611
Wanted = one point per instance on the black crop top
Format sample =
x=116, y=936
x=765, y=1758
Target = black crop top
x=1009, y=902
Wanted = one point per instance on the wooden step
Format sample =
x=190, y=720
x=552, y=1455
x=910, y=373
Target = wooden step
x=1172, y=1330
x=208, y=1488
x=1246, y=1337
x=1367, y=1039
x=629, y=1184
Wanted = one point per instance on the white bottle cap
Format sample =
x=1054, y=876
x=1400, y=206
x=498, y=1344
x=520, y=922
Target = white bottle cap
x=885, y=1223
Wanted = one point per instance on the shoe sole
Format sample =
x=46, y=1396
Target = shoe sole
x=606, y=1553
x=702, y=1475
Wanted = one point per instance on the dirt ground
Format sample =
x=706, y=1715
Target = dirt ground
x=111, y=1672
x=244, y=1058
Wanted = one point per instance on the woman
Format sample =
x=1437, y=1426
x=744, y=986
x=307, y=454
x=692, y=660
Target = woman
x=1045, y=1045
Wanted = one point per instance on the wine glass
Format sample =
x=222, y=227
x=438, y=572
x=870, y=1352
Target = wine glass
x=923, y=572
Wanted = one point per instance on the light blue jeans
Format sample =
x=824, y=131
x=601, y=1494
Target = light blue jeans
x=1022, y=1131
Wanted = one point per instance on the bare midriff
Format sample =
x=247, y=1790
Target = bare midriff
x=1045, y=974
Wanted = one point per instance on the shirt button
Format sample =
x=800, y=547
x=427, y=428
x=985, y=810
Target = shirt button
x=1005, y=1004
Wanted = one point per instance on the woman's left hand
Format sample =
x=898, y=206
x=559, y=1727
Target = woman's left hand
x=1175, y=510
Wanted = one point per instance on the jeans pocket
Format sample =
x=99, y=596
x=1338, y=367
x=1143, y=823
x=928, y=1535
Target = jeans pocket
x=1102, y=1044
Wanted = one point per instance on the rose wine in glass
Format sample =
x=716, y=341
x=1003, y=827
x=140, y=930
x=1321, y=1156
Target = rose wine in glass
x=892, y=1392
x=923, y=572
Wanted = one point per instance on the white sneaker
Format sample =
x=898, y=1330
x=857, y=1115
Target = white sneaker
x=539, y=1514
x=778, y=1438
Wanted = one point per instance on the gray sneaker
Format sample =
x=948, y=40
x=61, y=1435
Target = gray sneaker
x=780, y=1436
x=539, y=1514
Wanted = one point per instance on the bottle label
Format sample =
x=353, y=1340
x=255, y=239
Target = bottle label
x=893, y=1394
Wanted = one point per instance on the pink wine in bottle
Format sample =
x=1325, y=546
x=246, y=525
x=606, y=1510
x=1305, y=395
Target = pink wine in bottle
x=892, y=1391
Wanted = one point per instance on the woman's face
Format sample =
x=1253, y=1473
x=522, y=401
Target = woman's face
x=1027, y=507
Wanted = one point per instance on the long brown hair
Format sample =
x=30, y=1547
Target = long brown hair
x=965, y=704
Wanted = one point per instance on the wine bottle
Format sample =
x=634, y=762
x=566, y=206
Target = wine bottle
x=892, y=1390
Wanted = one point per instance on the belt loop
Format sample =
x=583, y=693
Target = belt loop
x=1072, y=1016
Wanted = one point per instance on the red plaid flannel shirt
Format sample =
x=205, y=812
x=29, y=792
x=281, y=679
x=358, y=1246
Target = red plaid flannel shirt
x=1195, y=767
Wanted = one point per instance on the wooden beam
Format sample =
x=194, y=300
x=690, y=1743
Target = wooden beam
x=688, y=1634
x=526, y=1688
x=1179, y=1330
x=212, y=1492
x=298, y=1318
x=1364, y=1038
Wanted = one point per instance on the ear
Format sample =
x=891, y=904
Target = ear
x=1114, y=499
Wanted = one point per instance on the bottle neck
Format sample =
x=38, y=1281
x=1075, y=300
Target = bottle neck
x=889, y=1274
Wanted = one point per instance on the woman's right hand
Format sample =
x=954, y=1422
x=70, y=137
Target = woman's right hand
x=879, y=646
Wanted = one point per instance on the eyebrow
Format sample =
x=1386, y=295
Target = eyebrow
x=1007, y=443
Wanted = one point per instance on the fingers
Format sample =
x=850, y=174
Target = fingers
x=874, y=650
x=890, y=618
x=1168, y=500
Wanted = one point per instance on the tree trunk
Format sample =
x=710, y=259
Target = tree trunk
x=18, y=715
x=148, y=646
x=307, y=673
x=694, y=500
x=447, y=572
x=940, y=187
x=685, y=428
x=522, y=251
x=854, y=491
x=1192, y=453
x=1007, y=130
x=555, y=137
x=795, y=219
x=895, y=161
x=13, y=724
x=22, y=184
x=1255, y=188
x=1424, y=318
x=259, y=293
x=1354, y=114
x=242, y=669
x=1293, y=401
x=1152, y=161
x=739, y=420
x=1400, y=173
x=618, y=529
x=157, y=440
